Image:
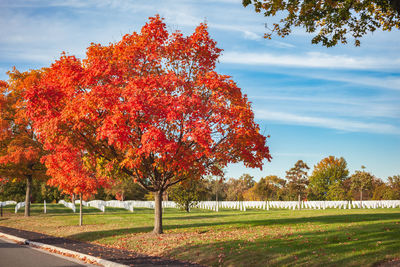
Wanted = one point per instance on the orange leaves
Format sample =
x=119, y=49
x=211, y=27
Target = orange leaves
x=151, y=104
x=19, y=148
x=69, y=173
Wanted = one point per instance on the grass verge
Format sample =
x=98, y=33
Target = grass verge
x=329, y=237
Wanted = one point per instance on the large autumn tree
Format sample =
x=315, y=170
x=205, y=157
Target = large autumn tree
x=151, y=105
x=20, y=151
x=333, y=21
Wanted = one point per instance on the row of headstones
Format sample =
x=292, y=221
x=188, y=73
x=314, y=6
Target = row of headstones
x=239, y=205
x=366, y=204
x=266, y=205
x=101, y=204
x=128, y=204
x=8, y=202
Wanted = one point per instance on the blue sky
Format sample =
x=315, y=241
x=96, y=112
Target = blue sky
x=313, y=101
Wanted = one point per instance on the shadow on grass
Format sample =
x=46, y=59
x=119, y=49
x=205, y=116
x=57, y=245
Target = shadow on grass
x=327, y=219
x=196, y=217
x=51, y=209
x=360, y=245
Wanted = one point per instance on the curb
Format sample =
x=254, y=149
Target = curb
x=63, y=251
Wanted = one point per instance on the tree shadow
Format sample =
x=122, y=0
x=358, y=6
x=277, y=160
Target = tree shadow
x=360, y=245
x=196, y=217
x=325, y=219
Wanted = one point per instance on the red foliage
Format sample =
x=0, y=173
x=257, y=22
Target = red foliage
x=19, y=150
x=69, y=173
x=150, y=105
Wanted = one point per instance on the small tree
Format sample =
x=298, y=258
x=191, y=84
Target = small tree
x=270, y=187
x=216, y=182
x=73, y=173
x=297, y=177
x=393, y=186
x=126, y=189
x=361, y=180
x=12, y=189
x=186, y=194
x=237, y=187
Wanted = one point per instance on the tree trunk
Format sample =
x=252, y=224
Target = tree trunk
x=80, y=210
x=361, y=197
x=73, y=198
x=299, y=198
x=122, y=196
x=28, y=196
x=187, y=206
x=158, y=213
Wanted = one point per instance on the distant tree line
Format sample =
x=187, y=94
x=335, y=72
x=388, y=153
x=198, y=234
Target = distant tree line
x=329, y=180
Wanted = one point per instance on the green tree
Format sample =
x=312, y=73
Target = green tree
x=186, y=194
x=361, y=181
x=382, y=192
x=12, y=190
x=336, y=192
x=270, y=187
x=393, y=185
x=297, y=177
x=332, y=20
x=124, y=188
x=216, y=183
x=326, y=180
x=237, y=187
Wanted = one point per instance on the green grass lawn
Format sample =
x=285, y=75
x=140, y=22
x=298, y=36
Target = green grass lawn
x=329, y=237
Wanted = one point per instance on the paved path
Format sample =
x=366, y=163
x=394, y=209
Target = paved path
x=111, y=254
x=14, y=255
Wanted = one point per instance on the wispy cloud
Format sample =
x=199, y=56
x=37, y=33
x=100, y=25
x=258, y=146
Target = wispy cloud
x=388, y=82
x=280, y=44
x=311, y=60
x=366, y=108
x=330, y=123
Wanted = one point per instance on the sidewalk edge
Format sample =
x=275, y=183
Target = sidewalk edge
x=63, y=251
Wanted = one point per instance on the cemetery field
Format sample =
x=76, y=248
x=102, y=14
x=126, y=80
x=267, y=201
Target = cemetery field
x=354, y=237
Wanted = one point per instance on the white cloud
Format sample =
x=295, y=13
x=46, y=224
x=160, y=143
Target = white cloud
x=280, y=44
x=251, y=35
x=311, y=60
x=356, y=107
x=388, y=82
x=330, y=123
